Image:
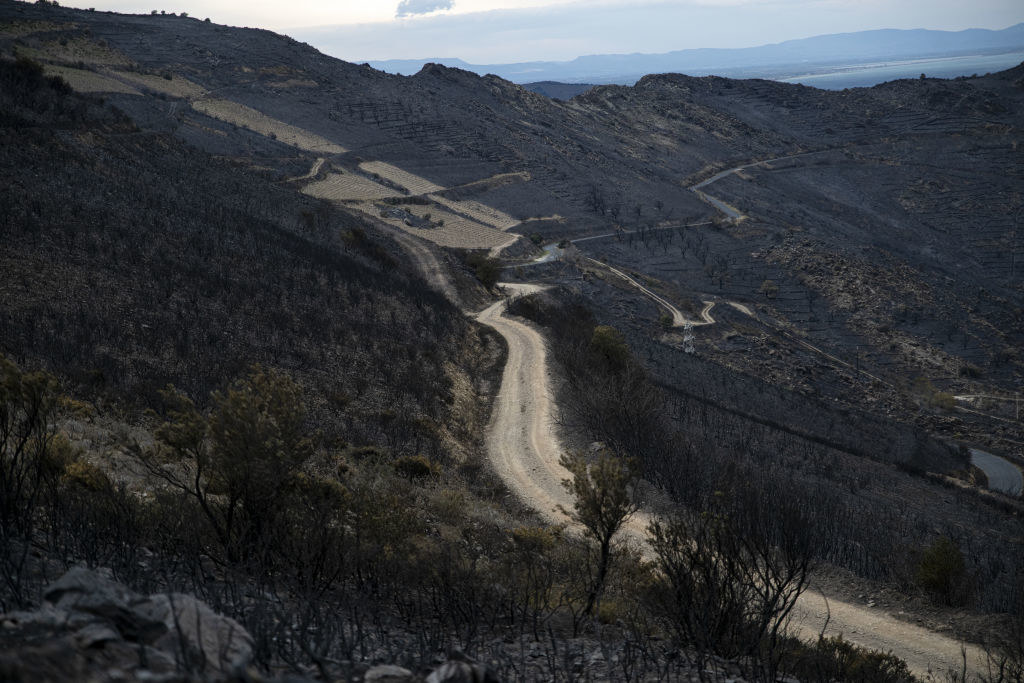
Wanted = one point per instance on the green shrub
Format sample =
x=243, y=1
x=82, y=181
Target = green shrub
x=486, y=269
x=836, y=659
x=941, y=571
x=416, y=468
x=28, y=454
x=608, y=345
x=85, y=475
x=236, y=462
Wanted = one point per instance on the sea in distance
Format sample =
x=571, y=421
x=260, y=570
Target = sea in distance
x=866, y=75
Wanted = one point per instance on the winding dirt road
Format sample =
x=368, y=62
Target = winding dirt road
x=678, y=319
x=426, y=261
x=525, y=451
x=1003, y=475
x=311, y=173
x=521, y=441
x=730, y=211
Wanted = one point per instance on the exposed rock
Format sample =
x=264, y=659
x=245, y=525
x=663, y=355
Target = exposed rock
x=388, y=673
x=210, y=641
x=462, y=671
x=93, y=628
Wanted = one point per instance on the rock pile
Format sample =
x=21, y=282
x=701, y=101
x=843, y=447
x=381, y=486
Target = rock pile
x=91, y=628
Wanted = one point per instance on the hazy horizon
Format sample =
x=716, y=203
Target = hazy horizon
x=504, y=31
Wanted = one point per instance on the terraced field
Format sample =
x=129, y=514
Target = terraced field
x=176, y=86
x=75, y=50
x=414, y=183
x=478, y=212
x=341, y=187
x=495, y=181
x=89, y=81
x=20, y=29
x=456, y=232
x=247, y=117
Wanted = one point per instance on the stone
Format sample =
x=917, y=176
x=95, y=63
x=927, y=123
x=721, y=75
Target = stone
x=388, y=673
x=100, y=630
x=454, y=671
x=84, y=593
x=204, y=639
x=96, y=633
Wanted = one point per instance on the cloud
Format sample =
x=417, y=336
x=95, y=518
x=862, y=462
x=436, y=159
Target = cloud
x=408, y=8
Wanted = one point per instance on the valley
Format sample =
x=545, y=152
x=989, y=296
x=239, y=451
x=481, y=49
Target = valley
x=814, y=299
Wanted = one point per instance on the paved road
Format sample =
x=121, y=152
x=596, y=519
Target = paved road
x=620, y=233
x=1003, y=475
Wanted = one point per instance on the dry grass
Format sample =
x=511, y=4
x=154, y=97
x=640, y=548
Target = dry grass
x=293, y=83
x=414, y=183
x=176, y=86
x=76, y=50
x=478, y=212
x=496, y=181
x=20, y=29
x=247, y=117
x=457, y=232
x=340, y=187
x=89, y=81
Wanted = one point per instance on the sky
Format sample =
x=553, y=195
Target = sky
x=499, y=31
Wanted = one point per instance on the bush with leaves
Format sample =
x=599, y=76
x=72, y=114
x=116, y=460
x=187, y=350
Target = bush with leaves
x=603, y=499
x=237, y=461
x=942, y=572
x=486, y=269
x=836, y=659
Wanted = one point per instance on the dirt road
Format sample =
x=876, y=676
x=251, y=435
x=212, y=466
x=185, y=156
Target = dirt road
x=426, y=261
x=1003, y=475
x=525, y=451
x=730, y=211
x=520, y=440
x=678, y=319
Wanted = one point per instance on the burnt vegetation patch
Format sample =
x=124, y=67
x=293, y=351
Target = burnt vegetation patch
x=132, y=262
x=702, y=434
x=316, y=471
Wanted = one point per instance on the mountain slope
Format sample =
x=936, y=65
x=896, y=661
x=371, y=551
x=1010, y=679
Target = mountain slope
x=871, y=276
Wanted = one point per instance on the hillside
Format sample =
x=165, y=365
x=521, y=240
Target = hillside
x=803, y=348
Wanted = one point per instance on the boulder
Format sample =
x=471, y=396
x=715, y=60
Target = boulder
x=388, y=673
x=203, y=639
x=101, y=630
x=462, y=671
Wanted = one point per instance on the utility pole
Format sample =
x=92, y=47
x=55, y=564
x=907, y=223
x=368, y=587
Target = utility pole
x=688, y=338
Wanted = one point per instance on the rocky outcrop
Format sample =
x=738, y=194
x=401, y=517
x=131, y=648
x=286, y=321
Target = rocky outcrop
x=92, y=628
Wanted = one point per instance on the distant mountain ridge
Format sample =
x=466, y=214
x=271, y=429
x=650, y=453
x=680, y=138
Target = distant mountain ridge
x=833, y=49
